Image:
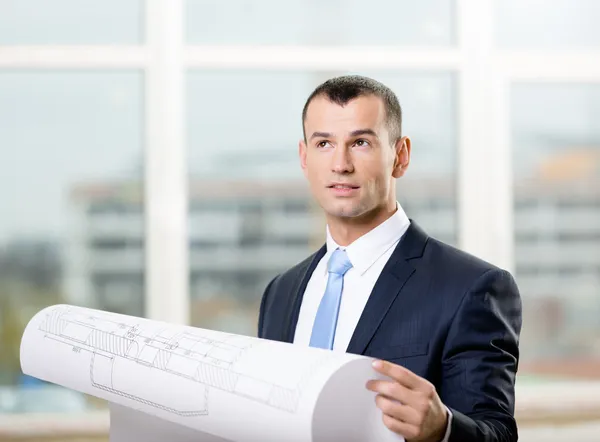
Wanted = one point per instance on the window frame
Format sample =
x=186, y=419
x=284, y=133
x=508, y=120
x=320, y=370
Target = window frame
x=484, y=71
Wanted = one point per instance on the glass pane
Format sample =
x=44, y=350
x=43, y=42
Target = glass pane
x=320, y=22
x=546, y=24
x=41, y=22
x=71, y=228
x=556, y=150
x=258, y=218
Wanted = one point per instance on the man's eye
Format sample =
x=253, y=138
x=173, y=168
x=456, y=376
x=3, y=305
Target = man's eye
x=362, y=143
x=322, y=144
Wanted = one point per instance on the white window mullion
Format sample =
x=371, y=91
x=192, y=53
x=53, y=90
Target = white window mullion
x=555, y=66
x=73, y=57
x=485, y=204
x=319, y=57
x=166, y=173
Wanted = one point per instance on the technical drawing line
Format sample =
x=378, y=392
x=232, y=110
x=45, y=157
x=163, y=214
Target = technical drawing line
x=152, y=404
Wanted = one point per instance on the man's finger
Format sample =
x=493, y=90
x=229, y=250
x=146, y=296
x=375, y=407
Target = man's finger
x=398, y=373
x=393, y=390
x=408, y=431
x=398, y=411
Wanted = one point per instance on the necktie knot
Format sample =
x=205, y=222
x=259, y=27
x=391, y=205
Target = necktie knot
x=339, y=263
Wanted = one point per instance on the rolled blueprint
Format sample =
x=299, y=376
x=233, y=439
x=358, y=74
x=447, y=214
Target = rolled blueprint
x=214, y=386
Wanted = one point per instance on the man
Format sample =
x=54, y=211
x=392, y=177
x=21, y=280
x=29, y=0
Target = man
x=443, y=325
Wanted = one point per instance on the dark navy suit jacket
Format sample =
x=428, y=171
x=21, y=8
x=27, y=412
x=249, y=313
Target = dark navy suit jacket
x=447, y=316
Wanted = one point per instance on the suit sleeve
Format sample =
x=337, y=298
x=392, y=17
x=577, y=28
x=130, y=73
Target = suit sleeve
x=480, y=360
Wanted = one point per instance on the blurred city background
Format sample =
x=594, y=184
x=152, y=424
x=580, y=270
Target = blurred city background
x=500, y=98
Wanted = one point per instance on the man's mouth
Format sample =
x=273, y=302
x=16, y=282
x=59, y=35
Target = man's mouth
x=342, y=186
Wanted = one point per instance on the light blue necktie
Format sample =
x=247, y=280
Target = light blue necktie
x=323, y=332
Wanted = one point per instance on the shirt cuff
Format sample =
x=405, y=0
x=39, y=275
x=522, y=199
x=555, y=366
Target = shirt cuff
x=447, y=435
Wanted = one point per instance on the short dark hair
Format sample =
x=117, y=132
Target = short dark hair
x=341, y=90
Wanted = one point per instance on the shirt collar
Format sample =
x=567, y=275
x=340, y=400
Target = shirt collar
x=371, y=246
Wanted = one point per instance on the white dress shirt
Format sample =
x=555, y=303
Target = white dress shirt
x=368, y=255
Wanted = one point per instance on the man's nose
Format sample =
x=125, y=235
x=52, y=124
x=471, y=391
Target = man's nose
x=341, y=161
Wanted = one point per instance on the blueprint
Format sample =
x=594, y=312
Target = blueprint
x=222, y=386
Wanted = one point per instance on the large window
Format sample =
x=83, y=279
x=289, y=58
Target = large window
x=149, y=155
x=71, y=229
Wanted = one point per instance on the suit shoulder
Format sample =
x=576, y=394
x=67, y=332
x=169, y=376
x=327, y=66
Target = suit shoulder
x=445, y=256
x=457, y=273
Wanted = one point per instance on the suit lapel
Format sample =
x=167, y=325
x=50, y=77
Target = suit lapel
x=392, y=280
x=297, y=293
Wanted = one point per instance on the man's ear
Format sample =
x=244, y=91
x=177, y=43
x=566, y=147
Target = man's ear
x=402, y=158
x=302, y=154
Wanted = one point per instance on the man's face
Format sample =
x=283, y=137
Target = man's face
x=348, y=157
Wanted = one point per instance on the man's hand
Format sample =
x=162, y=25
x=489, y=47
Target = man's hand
x=411, y=406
